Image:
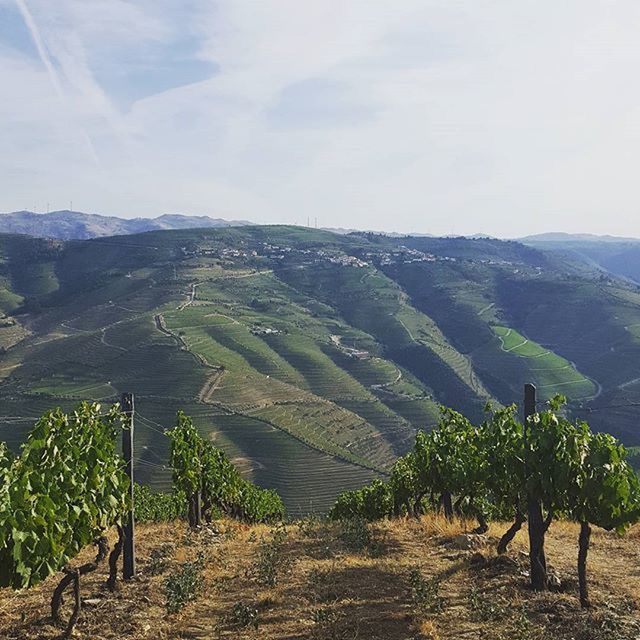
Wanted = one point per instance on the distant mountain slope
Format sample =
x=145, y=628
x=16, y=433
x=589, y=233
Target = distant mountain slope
x=75, y=225
x=619, y=256
x=559, y=236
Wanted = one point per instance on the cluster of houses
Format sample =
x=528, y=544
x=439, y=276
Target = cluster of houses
x=404, y=254
x=347, y=261
x=352, y=352
x=264, y=331
x=277, y=252
x=233, y=253
x=359, y=354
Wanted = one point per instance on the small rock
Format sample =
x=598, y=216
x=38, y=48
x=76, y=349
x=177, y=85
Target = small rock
x=468, y=541
x=92, y=602
x=456, y=557
x=555, y=584
x=505, y=562
x=477, y=559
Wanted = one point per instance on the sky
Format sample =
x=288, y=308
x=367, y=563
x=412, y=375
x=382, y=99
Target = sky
x=417, y=116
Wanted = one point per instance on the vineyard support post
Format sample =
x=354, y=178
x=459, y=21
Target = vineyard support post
x=128, y=550
x=197, y=507
x=537, y=559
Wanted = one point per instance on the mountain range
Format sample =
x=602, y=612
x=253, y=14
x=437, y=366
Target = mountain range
x=561, y=237
x=75, y=225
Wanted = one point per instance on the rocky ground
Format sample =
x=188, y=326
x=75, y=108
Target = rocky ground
x=405, y=579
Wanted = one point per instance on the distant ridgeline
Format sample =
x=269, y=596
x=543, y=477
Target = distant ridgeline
x=310, y=358
x=75, y=225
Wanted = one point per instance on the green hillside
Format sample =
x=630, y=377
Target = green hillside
x=312, y=358
x=546, y=369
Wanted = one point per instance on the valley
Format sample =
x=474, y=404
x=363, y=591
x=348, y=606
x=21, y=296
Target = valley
x=311, y=358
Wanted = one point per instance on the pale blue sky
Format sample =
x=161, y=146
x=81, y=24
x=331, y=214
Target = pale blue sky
x=452, y=116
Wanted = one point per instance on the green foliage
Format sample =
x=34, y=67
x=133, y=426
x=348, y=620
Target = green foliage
x=484, y=607
x=271, y=562
x=449, y=459
x=425, y=593
x=186, y=452
x=183, y=585
x=358, y=535
x=6, y=461
x=495, y=466
x=404, y=486
x=554, y=452
x=607, y=490
x=244, y=615
x=64, y=489
x=327, y=621
x=355, y=534
x=226, y=489
x=421, y=316
x=199, y=466
x=372, y=502
x=499, y=467
x=151, y=506
x=503, y=460
x=568, y=468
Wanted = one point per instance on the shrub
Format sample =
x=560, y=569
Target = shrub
x=183, y=585
x=243, y=615
x=271, y=563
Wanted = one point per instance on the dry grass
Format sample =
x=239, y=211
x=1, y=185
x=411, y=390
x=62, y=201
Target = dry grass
x=404, y=581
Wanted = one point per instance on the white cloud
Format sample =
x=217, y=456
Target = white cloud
x=416, y=115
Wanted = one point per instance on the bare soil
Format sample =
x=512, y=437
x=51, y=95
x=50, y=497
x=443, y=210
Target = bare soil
x=403, y=579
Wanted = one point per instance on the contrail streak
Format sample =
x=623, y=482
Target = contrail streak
x=51, y=71
x=42, y=51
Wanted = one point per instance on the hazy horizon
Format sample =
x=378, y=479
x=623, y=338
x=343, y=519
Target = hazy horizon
x=422, y=117
x=312, y=224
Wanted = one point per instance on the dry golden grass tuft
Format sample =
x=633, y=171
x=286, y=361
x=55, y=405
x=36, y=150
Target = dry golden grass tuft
x=427, y=629
x=395, y=580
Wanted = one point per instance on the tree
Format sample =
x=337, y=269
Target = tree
x=553, y=451
x=449, y=463
x=544, y=468
x=63, y=491
x=205, y=474
x=605, y=493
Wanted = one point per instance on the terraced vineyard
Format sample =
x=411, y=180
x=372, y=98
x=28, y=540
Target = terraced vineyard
x=549, y=371
x=312, y=358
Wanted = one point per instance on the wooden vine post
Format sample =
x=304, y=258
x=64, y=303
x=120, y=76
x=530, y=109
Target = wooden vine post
x=197, y=507
x=537, y=528
x=128, y=550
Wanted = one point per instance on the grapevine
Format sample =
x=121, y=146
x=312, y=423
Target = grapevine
x=63, y=491
x=158, y=507
x=204, y=473
x=503, y=467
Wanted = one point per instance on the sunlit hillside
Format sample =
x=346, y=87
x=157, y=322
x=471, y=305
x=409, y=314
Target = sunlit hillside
x=311, y=358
